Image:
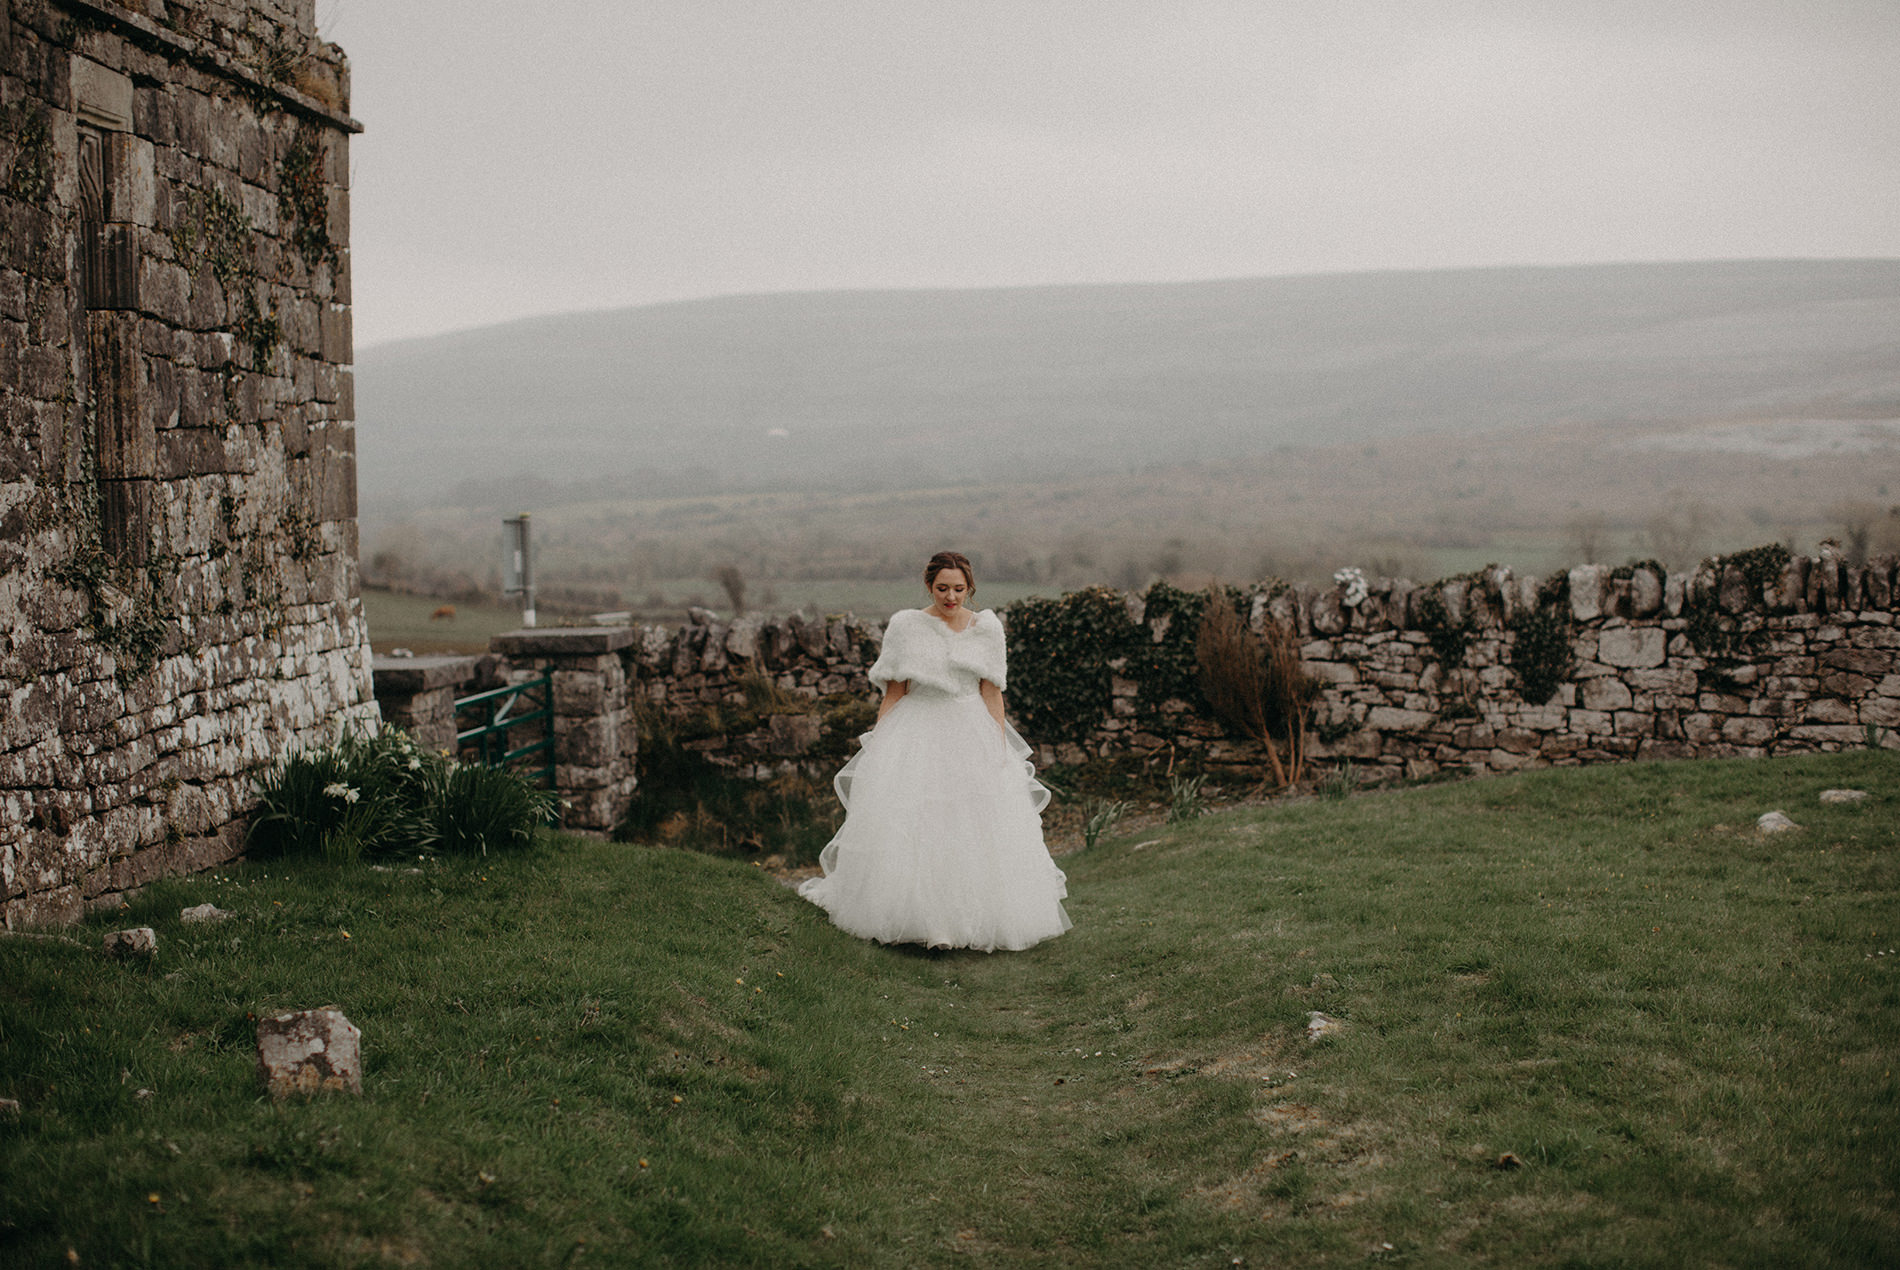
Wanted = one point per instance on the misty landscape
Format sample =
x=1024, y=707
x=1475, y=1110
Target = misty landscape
x=1417, y=423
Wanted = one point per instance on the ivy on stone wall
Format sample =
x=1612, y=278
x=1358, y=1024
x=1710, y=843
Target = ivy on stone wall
x=1713, y=634
x=303, y=199
x=214, y=230
x=1065, y=652
x=1542, y=655
x=1449, y=639
x=1060, y=650
x=30, y=175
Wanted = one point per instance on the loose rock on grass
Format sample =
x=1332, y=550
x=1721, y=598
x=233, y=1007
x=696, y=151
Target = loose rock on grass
x=1318, y=1025
x=205, y=913
x=1775, y=822
x=309, y=1052
x=140, y=943
x=1843, y=795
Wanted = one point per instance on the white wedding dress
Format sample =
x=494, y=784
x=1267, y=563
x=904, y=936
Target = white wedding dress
x=942, y=838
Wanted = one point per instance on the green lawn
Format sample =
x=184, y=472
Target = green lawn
x=1589, y=1018
x=409, y=621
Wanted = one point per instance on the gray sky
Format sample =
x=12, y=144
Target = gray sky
x=583, y=155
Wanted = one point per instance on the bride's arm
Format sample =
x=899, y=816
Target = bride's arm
x=893, y=693
x=993, y=698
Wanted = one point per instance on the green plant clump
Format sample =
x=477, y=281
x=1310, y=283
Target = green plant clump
x=216, y=231
x=1064, y=653
x=1185, y=800
x=1541, y=654
x=1098, y=819
x=1449, y=640
x=303, y=199
x=384, y=795
x=1060, y=650
x=1760, y=566
x=30, y=176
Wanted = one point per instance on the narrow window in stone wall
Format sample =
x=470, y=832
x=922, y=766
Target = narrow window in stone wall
x=125, y=444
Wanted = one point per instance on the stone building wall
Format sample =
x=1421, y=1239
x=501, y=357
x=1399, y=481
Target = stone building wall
x=1809, y=660
x=177, y=451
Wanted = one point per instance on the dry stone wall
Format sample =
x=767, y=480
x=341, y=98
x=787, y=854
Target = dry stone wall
x=177, y=451
x=1412, y=680
x=759, y=696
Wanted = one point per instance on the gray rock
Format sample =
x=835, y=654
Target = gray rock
x=9, y=1108
x=205, y=913
x=1843, y=795
x=140, y=943
x=1318, y=1025
x=1775, y=822
x=308, y=1052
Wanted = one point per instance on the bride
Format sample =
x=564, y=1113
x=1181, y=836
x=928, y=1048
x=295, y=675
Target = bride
x=942, y=838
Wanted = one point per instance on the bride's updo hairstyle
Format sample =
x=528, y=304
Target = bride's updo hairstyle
x=949, y=560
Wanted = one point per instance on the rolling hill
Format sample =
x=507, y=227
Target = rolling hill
x=907, y=389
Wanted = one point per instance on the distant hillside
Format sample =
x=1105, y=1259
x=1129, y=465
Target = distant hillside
x=934, y=388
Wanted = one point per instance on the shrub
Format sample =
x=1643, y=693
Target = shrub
x=1253, y=683
x=383, y=795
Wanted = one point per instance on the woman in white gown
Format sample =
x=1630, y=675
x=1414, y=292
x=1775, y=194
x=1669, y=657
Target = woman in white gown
x=942, y=839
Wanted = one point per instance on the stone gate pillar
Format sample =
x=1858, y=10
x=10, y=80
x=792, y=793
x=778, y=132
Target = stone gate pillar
x=595, y=739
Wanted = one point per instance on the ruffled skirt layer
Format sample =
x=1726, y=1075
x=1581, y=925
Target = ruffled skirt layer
x=942, y=839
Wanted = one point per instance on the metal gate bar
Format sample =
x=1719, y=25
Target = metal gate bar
x=497, y=715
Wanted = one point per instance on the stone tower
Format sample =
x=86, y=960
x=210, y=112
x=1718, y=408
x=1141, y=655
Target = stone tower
x=178, y=541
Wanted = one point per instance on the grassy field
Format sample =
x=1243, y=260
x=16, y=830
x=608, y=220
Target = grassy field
x=397, y=620
x=1587, y=1018
x=409, y=621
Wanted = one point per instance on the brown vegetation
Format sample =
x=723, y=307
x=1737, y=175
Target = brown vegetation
x=1253, y=682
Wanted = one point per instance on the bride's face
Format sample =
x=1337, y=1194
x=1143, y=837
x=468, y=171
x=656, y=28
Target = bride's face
x=949, y=589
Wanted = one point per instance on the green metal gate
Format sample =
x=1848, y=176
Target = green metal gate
x=510, y=727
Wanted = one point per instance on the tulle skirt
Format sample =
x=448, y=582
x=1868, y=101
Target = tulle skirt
x=942, y=838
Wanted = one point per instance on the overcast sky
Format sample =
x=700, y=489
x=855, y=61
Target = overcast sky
x=528, y=159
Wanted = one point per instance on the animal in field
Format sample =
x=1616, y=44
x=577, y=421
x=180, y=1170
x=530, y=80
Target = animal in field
x=444, y=614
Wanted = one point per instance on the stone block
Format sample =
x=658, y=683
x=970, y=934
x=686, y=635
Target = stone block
x=1645, y=593
x=1588, y=590
x=1334, y=672
x=1634, y=723
x=140, y=943
x=165, y=292
x=590, y=742
x=1392, y=719
x=1743, y=730
x=308, y=1052
x=338, y=339
x=792, y=735
x=1828, y=734
x=1591, y=723
x=1634, y=647
x=1681, y=683
x=562, y=641
x=1863, y=661
x=101, y=96
x=1881, y=711
x=1827, y=710
x=1519, y=741
x=579, y=692
x=1604, y=694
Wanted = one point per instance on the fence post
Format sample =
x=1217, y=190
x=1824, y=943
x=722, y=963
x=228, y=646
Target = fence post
x=417, y=694
x=595, y=741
